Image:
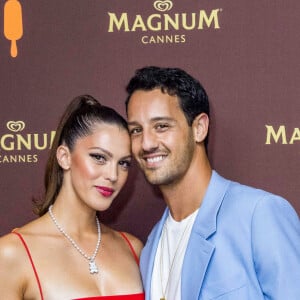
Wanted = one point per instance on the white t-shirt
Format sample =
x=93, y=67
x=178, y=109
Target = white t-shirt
x=166, y=276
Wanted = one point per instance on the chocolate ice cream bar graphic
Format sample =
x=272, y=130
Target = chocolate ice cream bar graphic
x=13, y=26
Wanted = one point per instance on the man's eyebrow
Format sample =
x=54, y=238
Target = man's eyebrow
x=162, y=119
x=156, y=119
x=132, y=123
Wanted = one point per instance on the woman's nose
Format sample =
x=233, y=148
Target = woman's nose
x=111, y=172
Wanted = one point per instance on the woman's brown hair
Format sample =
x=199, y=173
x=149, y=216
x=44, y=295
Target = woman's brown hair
x=77, y=121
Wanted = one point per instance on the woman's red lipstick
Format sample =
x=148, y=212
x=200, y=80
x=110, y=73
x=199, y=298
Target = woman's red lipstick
x=105, y=191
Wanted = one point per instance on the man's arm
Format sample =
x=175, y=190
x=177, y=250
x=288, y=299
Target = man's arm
x=276, y=248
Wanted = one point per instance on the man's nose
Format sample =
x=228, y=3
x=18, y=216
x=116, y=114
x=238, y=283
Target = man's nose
x=149, y=140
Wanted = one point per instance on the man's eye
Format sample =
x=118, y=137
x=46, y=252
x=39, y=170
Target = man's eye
x=162, y=126
x=98, y=157
x=135, y=130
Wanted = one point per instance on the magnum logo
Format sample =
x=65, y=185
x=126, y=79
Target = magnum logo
x=281, y=136
x=15, y=125
x=13, y=24
x=164, y=22
x=163, y=5
x=17, y=147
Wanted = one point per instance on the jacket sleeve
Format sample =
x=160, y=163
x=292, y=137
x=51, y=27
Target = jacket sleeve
x=276, y=248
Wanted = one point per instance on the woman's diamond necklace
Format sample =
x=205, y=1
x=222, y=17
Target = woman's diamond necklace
x=92, y=265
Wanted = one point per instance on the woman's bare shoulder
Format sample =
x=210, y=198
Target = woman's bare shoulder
x=10, y=248
x=136, y=243
x=15, y=261
x=12, y=271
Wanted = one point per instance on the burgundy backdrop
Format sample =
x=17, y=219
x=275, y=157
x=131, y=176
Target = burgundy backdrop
x=245, y=53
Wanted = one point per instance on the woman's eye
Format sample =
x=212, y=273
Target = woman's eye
x=98, y=157
x=125, y=164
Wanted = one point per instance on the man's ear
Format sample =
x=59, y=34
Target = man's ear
x=200, y=127
x=63, y=156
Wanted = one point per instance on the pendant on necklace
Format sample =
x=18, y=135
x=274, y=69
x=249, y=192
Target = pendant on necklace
x=93, y=267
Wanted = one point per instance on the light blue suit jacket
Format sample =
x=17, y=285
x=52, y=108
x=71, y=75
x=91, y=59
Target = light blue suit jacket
x=244, y=245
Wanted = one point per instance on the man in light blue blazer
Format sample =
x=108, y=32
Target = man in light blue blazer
x=217, y=239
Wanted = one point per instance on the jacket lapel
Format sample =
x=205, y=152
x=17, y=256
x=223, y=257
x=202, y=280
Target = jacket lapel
x=200, y=249
x=196, y=261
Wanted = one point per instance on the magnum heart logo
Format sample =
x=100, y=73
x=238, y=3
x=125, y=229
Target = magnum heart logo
x=15, y=126
x=163, y=5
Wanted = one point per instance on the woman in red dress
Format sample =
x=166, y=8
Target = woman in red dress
x=67, y=253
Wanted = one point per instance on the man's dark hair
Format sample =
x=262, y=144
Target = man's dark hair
x=192, y=97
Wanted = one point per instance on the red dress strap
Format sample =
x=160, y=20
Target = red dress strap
x=31, y=261
x=131, y=247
